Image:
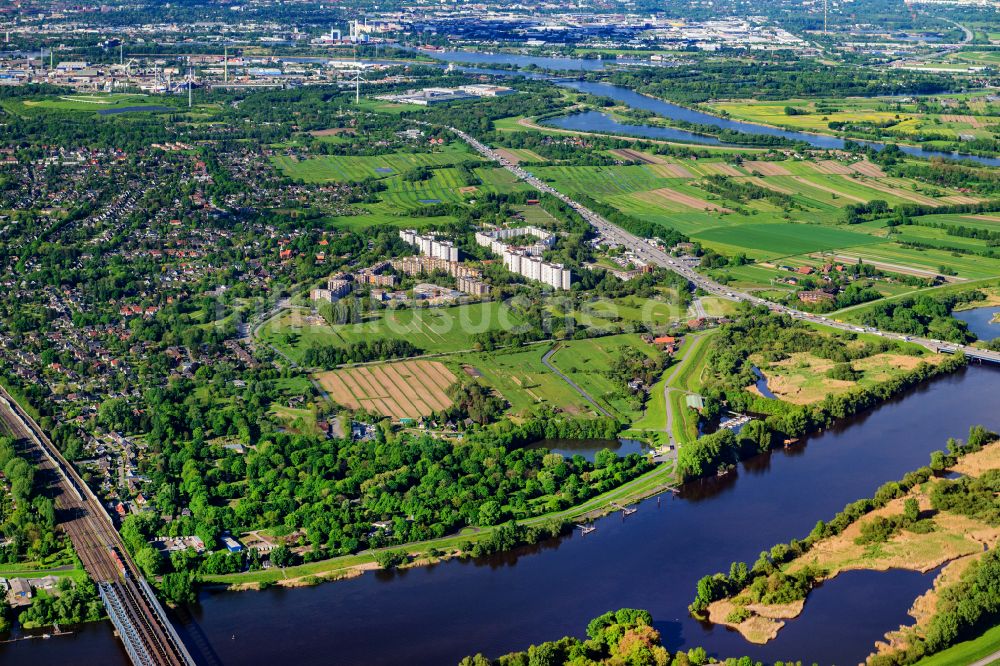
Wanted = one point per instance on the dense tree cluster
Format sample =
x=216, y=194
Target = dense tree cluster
x=27, y=517
x=924, y=315
x=73, y=603
x=755, y=329
x=793, y=78
x=330, y=356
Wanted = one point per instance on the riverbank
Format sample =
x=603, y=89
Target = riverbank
x=658, y=480
x=911, y=531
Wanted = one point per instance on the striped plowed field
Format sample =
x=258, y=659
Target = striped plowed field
x=636, y=156
x=831, y=168
x=985, y=218
x=830, y=190
x=676, y=197
x=866, y=168
x=767, y=184
x=523, y=155
x=960, y=199
x=672, y=171
x=906, y=195
x=719, y=169
x=766, y=168
x=407, y=389
x=969, y=120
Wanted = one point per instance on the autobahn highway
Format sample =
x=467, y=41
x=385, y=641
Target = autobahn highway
x=652, y=254
x=139, y=619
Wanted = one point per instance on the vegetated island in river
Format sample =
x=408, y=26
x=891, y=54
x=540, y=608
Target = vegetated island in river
x=919, y=523
x=625, y=636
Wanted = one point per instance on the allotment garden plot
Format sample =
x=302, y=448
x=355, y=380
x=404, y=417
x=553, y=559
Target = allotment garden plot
x=400, y=390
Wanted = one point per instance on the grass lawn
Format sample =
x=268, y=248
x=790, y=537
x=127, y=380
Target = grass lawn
x=966, y=653
x=603, y=313
x=521, y=378
x=433, y=330
x=686, y=371
x=587, y=362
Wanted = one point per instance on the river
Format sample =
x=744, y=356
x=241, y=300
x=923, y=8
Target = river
x=599, y=122
x=652, y=559
x=981, y=321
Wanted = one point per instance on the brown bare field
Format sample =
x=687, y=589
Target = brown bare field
x=842, y=195
x=866, y=168
x=672, y=171
x=960, y=199
x=636, y=156
x=687, y=200
x=969, y=120
x=407, y=389
x=902, y=194
x=720, y=169
x=761, y=182
x=333, y=131
x=468, y=189
x=831, y=168
x=394, y=379
x=766, y=168
x=985, y=218
x=524, y=156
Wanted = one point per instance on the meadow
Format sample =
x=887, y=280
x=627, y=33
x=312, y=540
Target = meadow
x=521, y=378
x=434, y=330
x=88, y=103
x=779, y=240
x=354, y=168
x=587, y=363
x=901, y=118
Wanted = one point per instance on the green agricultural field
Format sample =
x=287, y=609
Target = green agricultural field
x=778, y=240
x=434, y=330
x=939, y=238
x=353, y=168
x=889, y=255
x=602, y=181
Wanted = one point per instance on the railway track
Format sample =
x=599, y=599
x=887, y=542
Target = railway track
x=139, y=618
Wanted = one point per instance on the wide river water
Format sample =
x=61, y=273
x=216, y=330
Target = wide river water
x=652, y=560
x=598, y=122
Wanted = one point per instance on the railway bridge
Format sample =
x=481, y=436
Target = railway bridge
x=139, y=619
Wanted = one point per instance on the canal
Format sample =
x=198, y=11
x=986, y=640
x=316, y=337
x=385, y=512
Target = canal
x=652, y=560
